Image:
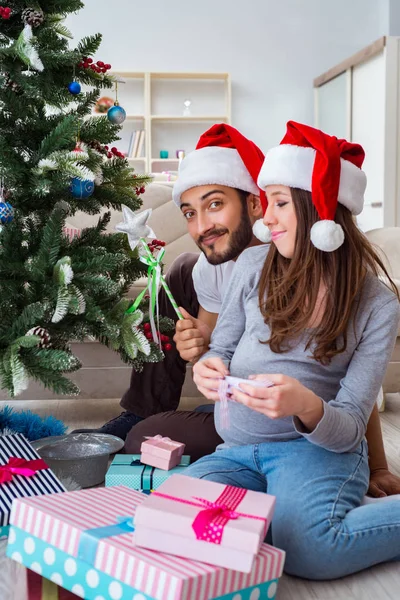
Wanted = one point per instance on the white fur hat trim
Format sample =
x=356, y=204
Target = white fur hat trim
x=213, y=165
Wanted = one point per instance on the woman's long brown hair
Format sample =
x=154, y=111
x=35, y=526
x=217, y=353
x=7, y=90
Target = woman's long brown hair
x=289, y=287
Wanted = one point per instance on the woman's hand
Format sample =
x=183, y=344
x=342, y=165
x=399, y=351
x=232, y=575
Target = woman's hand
x=286, y=398
x=207, y=375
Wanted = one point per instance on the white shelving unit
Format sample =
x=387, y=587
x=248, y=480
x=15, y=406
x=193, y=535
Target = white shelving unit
x=154, y=102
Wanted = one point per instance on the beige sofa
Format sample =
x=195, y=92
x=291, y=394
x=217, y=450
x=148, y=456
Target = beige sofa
x=387, y=241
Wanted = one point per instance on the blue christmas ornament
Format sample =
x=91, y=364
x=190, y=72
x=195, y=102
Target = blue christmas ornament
x=116, y=114
x=81, y=188
x=74, y=87
x=6, y=212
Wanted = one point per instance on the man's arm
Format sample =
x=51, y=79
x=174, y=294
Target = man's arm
x=382, y=481
x=209, y=318
x=193, y=335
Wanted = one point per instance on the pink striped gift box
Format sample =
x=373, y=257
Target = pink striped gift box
x=71, y=232
x=207, y=521
x=64, y=521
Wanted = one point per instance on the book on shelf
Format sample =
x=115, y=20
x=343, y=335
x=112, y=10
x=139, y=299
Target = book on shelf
x=136, y=147
x=130, y=145
x=141, y=143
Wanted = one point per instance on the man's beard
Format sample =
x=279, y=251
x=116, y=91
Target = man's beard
x=238, y=241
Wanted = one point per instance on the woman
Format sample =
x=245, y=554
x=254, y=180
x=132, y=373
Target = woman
x=310, y=314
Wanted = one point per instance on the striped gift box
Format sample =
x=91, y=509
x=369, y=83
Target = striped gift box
x=58, y=536
x=43, y=482
x=71, y=232
x=126, y=469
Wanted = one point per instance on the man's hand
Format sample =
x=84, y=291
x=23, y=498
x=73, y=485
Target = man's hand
x=192, y=337
x=383, y=483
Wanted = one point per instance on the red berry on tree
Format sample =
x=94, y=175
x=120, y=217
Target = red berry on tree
x=109, y=155
x=142, y=190
x=100, y=63
x=167, y=347
x=146, y=326
x=107, y=66
x=149, y=335
x=89, y=60
x=113, y=149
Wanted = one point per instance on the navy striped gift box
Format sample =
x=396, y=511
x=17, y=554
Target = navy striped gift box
x=43, y=482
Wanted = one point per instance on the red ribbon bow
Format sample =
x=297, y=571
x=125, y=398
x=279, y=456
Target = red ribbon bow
x=20, y=466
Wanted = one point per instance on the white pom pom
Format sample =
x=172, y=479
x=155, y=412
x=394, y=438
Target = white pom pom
x=327, y=235
x=261, y=231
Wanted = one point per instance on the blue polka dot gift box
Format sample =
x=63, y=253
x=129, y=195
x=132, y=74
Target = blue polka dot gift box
x=126, y=469
x=22, y=473
x=84, y=541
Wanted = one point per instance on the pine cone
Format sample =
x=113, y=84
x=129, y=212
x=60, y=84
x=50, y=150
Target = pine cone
x=14, y=87
x=32, y=17
x=43, y=334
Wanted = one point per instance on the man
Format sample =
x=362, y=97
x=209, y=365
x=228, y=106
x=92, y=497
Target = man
x=217, y=195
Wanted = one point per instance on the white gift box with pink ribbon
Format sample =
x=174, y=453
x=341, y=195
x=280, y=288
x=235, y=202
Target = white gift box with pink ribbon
x=210, y=522
x=161, y=452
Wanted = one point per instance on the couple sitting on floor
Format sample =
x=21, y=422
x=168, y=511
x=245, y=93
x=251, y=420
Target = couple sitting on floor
x=308, y=311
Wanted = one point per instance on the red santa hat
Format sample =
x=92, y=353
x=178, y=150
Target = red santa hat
x=327, y=167
x=223, y=156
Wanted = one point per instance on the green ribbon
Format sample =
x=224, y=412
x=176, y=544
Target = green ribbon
x=154, y=280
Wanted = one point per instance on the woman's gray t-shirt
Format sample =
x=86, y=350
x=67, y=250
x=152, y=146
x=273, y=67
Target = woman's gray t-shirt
x=349, y=385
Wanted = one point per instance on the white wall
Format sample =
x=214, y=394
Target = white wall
x=394, y=17
x=272, y=48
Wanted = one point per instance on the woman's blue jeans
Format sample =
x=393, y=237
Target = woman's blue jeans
x=318, y=519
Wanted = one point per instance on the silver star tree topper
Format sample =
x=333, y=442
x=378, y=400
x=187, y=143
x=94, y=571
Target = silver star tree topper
x=135, y=225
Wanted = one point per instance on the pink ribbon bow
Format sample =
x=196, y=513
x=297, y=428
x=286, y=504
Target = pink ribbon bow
x=210, y=522
x=20, y=466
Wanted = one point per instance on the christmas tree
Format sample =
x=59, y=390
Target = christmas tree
x=57, y=159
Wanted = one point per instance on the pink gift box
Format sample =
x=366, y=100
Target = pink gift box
x=64, y=521
x=205, y=521
x=161, y=452
x=71, y=232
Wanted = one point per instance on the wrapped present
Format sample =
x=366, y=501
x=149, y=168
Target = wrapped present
x=22, y=473
x=40, y=588
x=71, y=232
x=206, y=521
x=127, y=469
x=84, y=542
x=161, y=452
